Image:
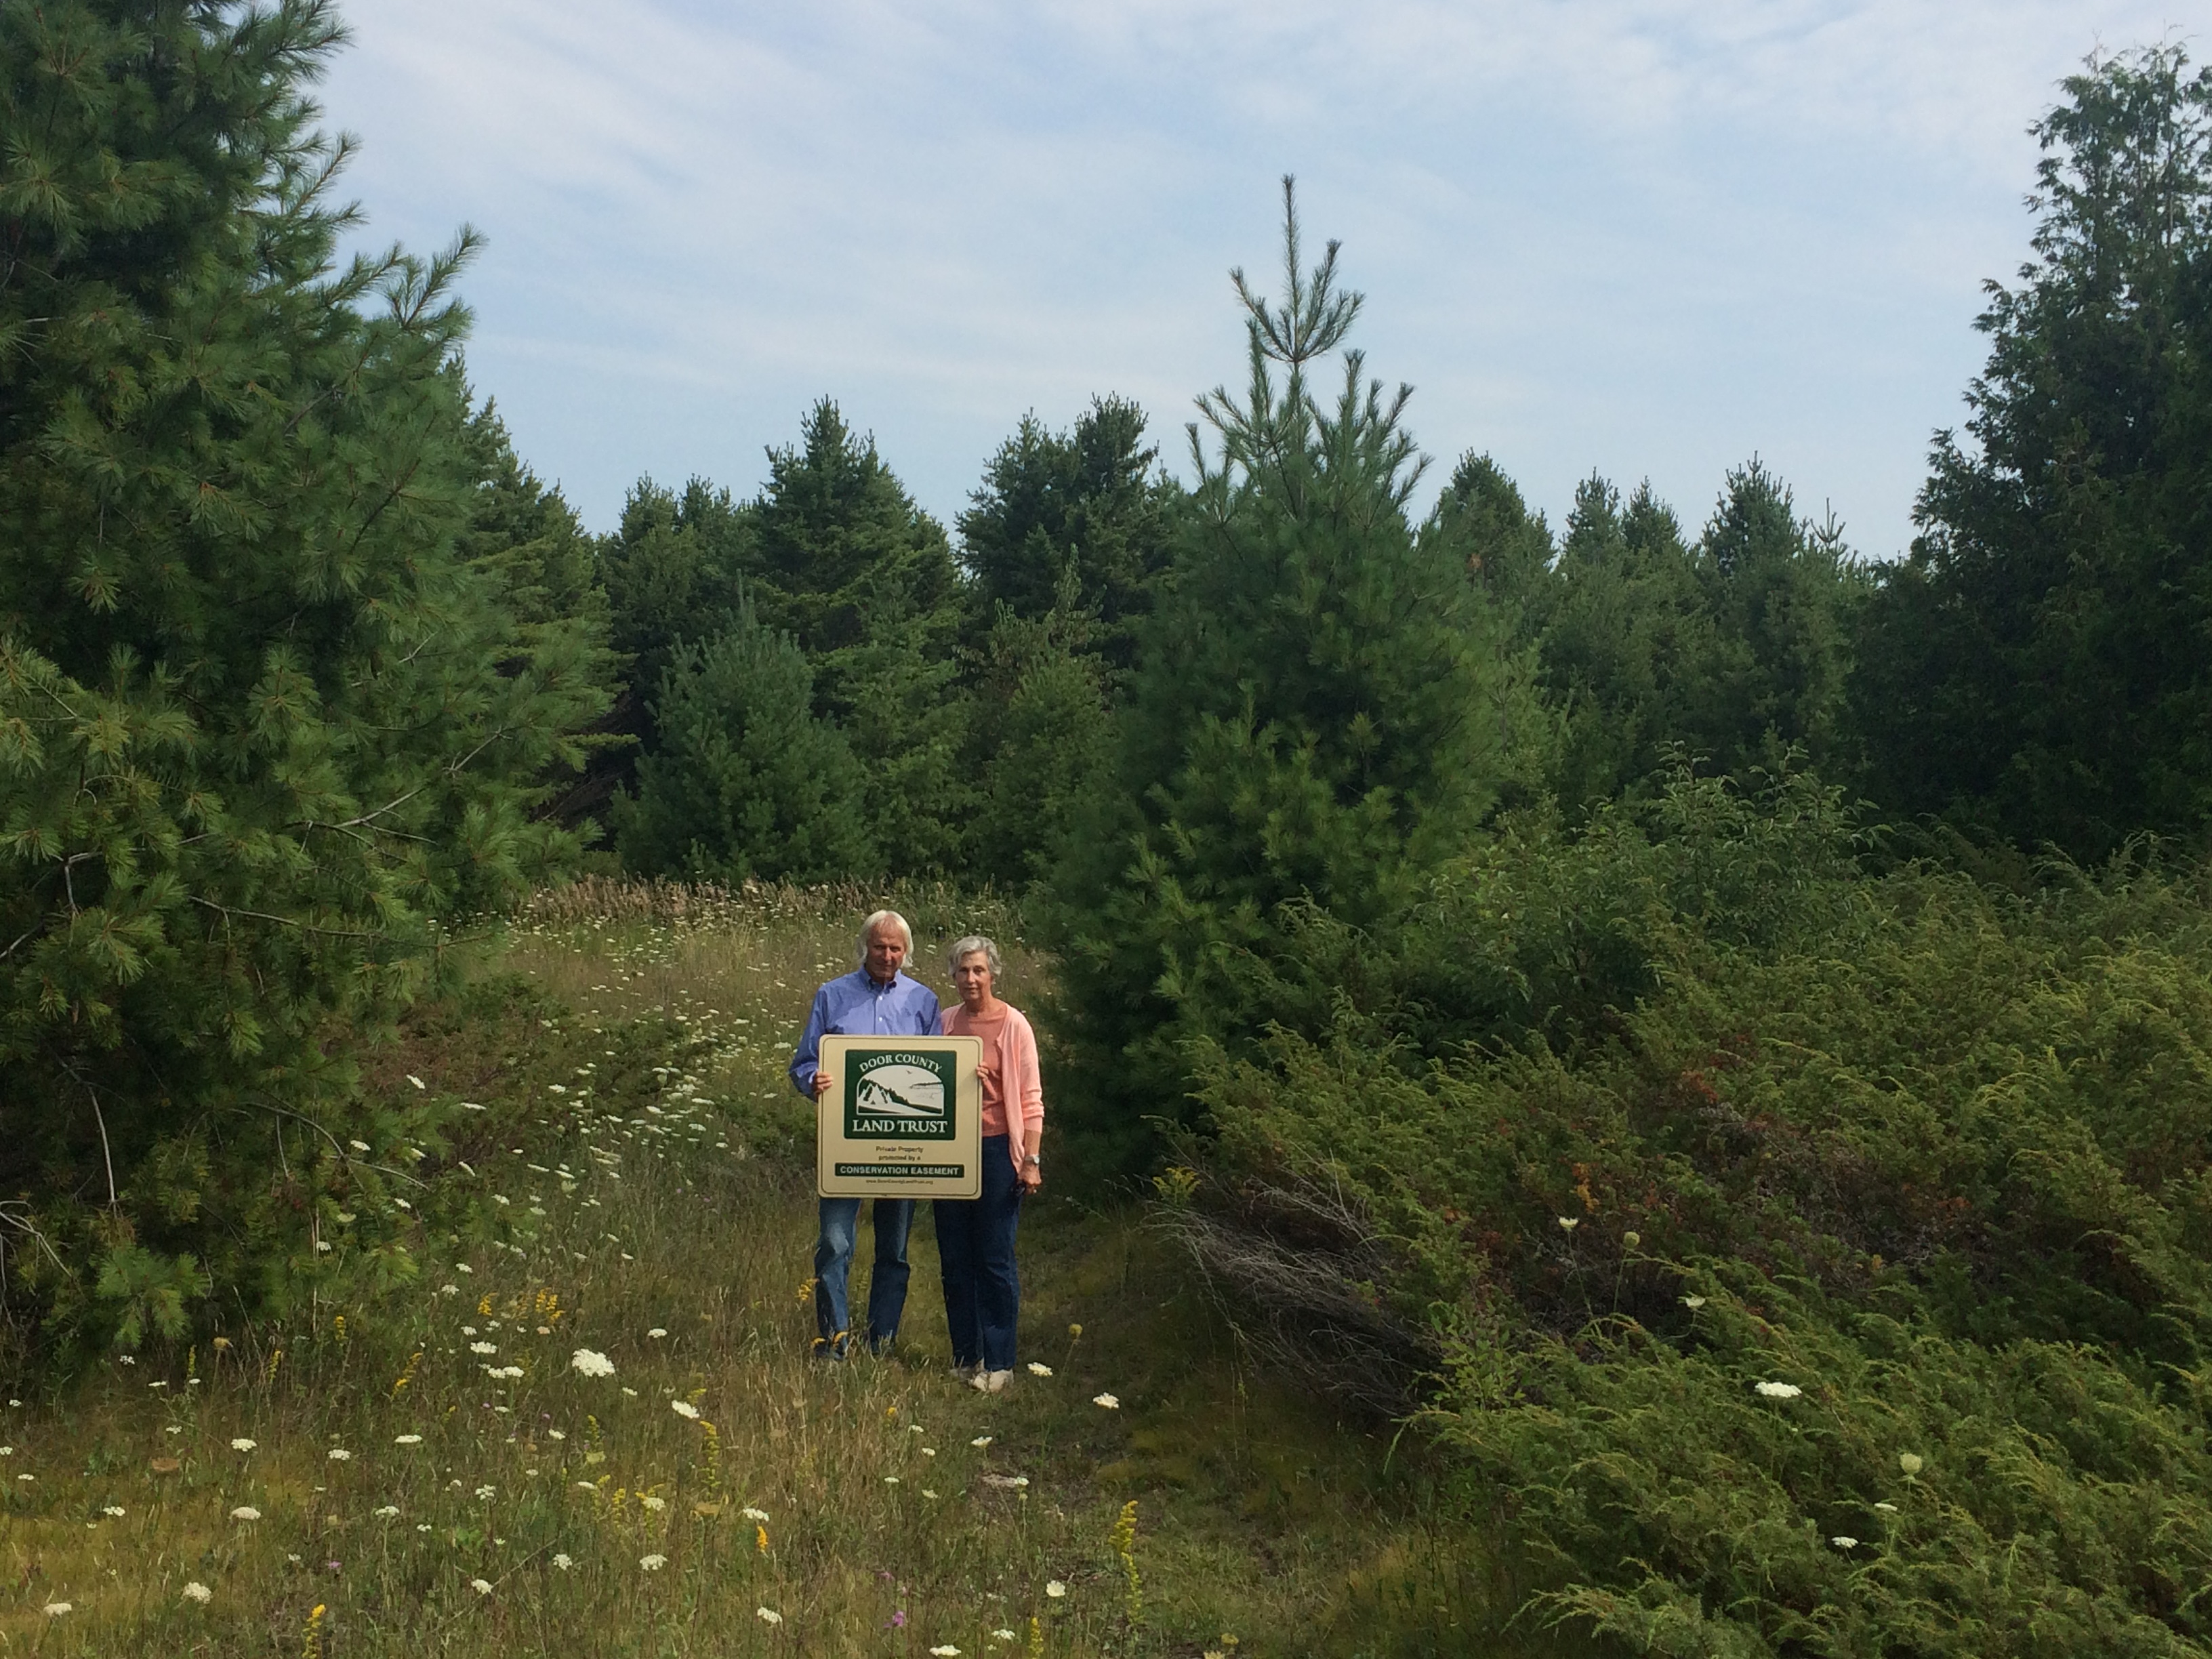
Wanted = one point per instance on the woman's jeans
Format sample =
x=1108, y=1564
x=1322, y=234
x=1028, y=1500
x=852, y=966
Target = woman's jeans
x=976, y=1243
x=833, y=1264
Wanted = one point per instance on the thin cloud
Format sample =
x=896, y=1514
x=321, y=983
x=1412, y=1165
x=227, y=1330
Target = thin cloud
x=1651, y=237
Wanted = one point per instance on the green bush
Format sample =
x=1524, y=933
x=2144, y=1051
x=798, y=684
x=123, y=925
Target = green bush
x=1720, y=1111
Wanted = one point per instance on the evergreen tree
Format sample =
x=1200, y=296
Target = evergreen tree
x=839, y=539
x=675, y=571
x=1043, y=738
x=746, y=782
x=1089, y=506
x=1509, y=549
x=261, y=721
x=524, y=535
x=2038, y=666
x=1304, y=728
x=866, y=582
x=1782, y=594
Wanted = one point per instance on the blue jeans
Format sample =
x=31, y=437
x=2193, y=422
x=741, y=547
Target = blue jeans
x=833, y=1264
x=975, y=1244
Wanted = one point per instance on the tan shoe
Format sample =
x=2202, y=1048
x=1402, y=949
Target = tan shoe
x=994, y=1382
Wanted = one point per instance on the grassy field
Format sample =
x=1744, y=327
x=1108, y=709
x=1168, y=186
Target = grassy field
x=432, y=1468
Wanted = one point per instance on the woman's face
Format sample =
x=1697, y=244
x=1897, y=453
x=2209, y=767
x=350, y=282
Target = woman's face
x=972, y=979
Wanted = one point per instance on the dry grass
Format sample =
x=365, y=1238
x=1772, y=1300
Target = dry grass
x=615, y=1183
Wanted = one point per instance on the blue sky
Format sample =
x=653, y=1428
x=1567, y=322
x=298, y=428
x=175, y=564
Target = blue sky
x=1648, y=238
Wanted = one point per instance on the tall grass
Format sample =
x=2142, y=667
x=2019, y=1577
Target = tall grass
x=424, y=1468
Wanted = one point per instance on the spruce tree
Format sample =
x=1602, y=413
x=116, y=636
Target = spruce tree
x=261, y=720
x=1305, y=728
x=865, y=582
x=1088, y=506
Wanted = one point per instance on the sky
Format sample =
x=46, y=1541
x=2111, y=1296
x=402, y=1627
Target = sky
x=1649, y=238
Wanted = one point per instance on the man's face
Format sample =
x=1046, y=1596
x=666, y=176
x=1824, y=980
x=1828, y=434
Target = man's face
x=886, y=953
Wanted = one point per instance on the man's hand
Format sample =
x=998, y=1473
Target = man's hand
x=822, y=1082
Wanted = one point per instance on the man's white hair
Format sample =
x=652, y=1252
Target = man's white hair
x=883, y=919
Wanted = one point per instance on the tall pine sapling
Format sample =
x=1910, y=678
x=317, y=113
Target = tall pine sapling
x=1304, y=727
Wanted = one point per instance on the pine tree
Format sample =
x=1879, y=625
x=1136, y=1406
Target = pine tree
x=1304, y=726
x=261, y=722
x=746, y=782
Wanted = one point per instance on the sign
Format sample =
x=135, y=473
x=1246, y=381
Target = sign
x=901, y=1118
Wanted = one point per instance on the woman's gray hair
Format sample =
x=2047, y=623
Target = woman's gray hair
x=883, y=918
x=965, y=948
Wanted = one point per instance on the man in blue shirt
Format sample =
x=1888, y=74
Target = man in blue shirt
x=877, y=1001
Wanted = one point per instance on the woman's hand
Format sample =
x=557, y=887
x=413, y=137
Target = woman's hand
x=1032, y=1177
x=822, y=1082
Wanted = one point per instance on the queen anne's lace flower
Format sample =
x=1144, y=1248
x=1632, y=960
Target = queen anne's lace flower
x=1780, y=1390
x=199, y=1592
x=588, y=1362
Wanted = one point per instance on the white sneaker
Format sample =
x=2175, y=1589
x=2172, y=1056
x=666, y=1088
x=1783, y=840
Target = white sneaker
x=993, y=1381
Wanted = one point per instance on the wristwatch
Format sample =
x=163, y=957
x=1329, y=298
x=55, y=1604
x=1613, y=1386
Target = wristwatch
x=1032, y=1162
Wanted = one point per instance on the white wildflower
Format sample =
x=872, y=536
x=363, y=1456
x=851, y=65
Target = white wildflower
x=979, y=1442
x=386, y=1510
x=55, y=1609
x=685, y=1409
x=481, y=1586
x=417, y=1081
x=1845, y=1543
x=652, y=1562
x=196, y=1591
x=1056, y=1590
x=751, y=1514
x=1694, y=1303
x=1569, y=1223
x=1910, y=1462
x=564, y=1561
x=1780, y=1390
x=340, y=1454
x=1107, y=1401
x=657, y=1332
x=242, y=1445
x=246, y=1512
x=483, y=1347
x=1036, y=1369
x=407, y=1440
x=768, y=1615
x=587, y=1362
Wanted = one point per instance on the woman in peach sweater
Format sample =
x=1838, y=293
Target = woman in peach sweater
x=975, y=1236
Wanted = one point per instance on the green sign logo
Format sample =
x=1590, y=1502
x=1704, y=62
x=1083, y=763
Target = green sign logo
x=903, y=1095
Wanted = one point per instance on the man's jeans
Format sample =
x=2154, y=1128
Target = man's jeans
x=833, y=1265
x=975, y=1243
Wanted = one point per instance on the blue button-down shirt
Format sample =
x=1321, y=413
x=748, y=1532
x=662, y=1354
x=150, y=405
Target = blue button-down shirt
x=855, y=1005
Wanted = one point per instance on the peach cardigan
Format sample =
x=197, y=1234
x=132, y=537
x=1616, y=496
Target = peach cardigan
x=1018, y=1076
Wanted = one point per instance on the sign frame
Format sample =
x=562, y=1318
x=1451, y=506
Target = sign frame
x=862, y=1153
